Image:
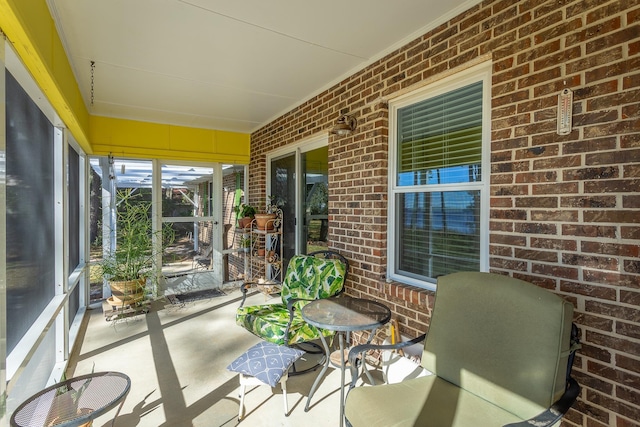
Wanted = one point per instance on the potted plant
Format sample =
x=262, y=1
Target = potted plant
x=266, y=221
x=275, y=203
x=67, y=400
x=245, y=243
x=244, y=214
x=130, y=265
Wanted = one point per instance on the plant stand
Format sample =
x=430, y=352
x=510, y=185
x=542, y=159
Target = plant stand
x=265, y=261
x=114, y=310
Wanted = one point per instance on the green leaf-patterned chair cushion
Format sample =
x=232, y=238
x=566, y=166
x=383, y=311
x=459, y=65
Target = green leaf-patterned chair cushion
x=307, y=278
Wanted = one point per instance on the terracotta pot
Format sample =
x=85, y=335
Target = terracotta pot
x=127, y=291
x=245, y=222
x=56, y=421
x=265, y=221
x=260, y=252
x=62, y=404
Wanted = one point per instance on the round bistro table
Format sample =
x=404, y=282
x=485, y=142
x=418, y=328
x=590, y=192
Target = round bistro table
x=343, y=315
x=74, y=402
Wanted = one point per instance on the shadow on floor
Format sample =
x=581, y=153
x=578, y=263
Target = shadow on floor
x=177, y=358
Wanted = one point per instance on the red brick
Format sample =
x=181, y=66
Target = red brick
x=595, y=292
x=588, y=202
x=555, y=188
x=556, y=162
x=613, y=39
x=590, y=146
x=535, y=228
x=555, y=215
x=537, y=202
x=611, y=185
x=554, y=244
x=503, y=239
x=611, y=69
x=536, y=177
x=611, y=157
x=564, y=27
x=536, y=255
x=593, y=322
x=555, y=270
x=605, y=172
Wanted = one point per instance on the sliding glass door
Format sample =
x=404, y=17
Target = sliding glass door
x=315, y=174
x=283, y=187
x=298, y=180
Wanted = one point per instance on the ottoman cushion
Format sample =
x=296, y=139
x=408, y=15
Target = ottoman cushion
x=266, y=361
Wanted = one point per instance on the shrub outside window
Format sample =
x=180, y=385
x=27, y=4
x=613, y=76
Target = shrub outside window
x=439, y=181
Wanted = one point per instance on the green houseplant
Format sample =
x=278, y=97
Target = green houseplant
x=244, y=214
x=130, y=265
x=67, y=401
x=245, y=244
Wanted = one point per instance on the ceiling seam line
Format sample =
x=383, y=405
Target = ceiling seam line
x=274, y=31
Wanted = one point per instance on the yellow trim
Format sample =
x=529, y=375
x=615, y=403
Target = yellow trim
x=28, y=25
x=134, y=139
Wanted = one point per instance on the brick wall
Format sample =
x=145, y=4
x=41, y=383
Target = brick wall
x=565, y=210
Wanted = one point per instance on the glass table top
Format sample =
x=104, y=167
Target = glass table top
x=346, y=314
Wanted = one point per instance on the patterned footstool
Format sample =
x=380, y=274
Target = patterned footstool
x=265, y=364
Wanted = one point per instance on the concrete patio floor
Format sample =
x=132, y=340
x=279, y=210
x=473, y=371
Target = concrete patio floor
x=176, y=357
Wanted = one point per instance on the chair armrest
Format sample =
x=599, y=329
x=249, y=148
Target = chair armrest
x=292, y=301
x=359, y=349
x=556, y=411
x=292, y=310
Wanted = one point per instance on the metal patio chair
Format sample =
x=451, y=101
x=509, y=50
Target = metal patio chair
x=499, y=351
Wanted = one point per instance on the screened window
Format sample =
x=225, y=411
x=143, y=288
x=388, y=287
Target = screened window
x=74, y=208
x=439, y=184
x=30, y=211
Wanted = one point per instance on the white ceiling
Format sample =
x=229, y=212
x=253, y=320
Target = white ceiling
x=229, y=64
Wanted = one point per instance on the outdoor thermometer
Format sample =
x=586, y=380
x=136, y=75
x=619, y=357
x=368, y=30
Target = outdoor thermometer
x=565, y=107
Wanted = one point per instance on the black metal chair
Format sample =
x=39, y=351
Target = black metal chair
x=320, y=274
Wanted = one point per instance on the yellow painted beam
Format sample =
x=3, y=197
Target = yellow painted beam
x=29, y=27
x=134, y=139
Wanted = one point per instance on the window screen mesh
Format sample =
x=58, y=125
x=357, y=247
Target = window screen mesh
x=30, y=211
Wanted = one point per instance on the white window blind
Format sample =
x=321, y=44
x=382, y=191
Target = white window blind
x=437, y=200
x=439, y=133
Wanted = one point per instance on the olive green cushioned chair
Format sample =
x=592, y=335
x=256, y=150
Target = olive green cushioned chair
x=500, y=351
x=308, y=277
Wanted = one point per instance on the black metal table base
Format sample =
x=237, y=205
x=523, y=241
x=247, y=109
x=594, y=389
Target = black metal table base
x=317, y=349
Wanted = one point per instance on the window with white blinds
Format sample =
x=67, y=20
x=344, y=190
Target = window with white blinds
x=438, y=189
x=440, y=139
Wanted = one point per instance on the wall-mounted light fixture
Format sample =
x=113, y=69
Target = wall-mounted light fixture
x=345, y=125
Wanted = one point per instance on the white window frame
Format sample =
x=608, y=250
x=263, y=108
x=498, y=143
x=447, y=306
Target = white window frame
x=481, y=72
x=20, y=374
